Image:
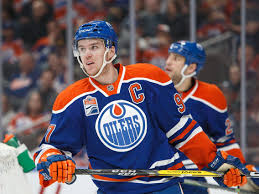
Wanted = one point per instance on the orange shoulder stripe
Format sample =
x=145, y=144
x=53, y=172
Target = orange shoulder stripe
x=71, y=92
x=145, y=70
x=212, y=94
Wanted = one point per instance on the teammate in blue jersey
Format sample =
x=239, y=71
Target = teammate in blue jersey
x=127, y=117
x=204, y=101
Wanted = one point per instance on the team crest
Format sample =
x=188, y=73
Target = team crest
x=121, y=126
x=90, y=106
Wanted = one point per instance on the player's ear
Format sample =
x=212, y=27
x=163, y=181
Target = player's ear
x=191, y=68
x=111, y=53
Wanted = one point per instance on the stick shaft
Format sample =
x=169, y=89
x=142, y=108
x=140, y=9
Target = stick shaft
x=140, y=172
x=211, y=186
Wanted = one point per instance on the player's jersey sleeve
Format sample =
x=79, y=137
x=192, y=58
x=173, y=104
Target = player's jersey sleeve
x=182, y=132
x=65, y=129
x=219, y=125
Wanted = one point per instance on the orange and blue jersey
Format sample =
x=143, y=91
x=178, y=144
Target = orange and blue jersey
x=208, y=107
x=138, y=122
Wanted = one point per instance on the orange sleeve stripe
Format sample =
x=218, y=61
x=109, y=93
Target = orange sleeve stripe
x=237, y=153
x=200, y=150
x=187, y=130
x=146, y=70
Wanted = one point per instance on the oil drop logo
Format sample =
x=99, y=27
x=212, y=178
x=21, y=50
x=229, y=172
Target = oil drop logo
x=121, y=126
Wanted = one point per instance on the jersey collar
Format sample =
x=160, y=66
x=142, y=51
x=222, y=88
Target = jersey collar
x=110, y=89
x=186, y=95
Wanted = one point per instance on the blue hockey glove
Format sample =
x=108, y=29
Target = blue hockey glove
x=59, y=168
x=234, y=170
x=252, y=183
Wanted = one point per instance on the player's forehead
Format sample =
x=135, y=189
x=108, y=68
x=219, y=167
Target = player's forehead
x=176, y=55
x=88, y=42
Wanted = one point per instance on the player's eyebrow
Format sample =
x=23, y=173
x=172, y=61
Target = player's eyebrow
x=96, y=42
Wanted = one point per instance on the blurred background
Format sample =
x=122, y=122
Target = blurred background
x=37, y=63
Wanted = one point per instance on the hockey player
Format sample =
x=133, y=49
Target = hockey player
x=204, y=101
x=127, y=117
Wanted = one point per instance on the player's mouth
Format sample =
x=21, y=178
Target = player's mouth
x=167, y=70
x=89, y=63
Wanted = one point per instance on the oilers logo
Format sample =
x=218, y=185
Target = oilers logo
x=121, y=126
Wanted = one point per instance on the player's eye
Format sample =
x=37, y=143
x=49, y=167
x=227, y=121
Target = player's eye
x=82, y=50
x=93, y=47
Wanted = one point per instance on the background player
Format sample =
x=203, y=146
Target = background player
x=125, y=117
x=205, y=101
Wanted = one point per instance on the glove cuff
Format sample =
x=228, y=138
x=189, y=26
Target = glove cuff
x=218, y=160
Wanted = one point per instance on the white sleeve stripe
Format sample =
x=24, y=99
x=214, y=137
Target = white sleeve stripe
x=165, y=162
x=209, y=104
x=194, y=166
x=178, y=126
x=186, y=162
x=230, y=147
x=195, y=132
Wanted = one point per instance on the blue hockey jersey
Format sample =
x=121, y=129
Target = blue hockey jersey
x=130, y=124
x=208, y=107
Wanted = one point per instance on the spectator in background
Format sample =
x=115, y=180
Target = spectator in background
x=8, y=112
x=57, y=66
x=177, y=18
x=251, y=59
x=215, y=25
x=35, y=16
x=54, y=40
x=12, y=46
x=150, y=17
x=30, y=119
x=252, y=22
x=11, y=50
x=97, y=10
x=250, y=70
x=46, y=89
x=22, y=82
x=158, y=49
x=234, y=81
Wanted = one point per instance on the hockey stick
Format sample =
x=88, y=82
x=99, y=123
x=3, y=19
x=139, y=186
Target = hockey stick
x=211, y=186
x=139, y=172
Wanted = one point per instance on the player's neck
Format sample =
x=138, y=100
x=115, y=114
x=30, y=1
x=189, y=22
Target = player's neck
x=185, y=86
x=108, y=76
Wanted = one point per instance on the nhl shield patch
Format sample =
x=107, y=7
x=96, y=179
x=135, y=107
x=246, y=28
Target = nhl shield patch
x=90, y=106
